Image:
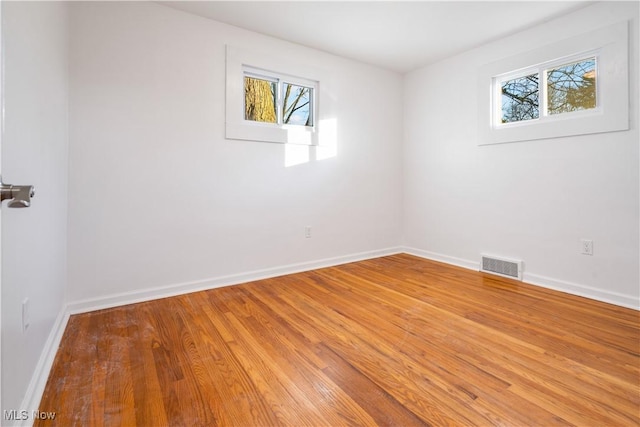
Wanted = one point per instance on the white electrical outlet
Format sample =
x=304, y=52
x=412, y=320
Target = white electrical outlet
x=307, y=232
x=26, y=315
x=587, y=246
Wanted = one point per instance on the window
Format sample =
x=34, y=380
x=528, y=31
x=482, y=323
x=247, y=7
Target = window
x=260, y=100
x=563, y=86
x=572, y=87
x=268, y=101
x=575, y=86
x=297, y=105
x=273, y=99
x=519, y=99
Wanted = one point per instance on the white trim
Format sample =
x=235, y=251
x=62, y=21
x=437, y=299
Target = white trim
x=615, y=298
x=125, y=298
x=582, y=291
x=458, y=262
x=33, y=395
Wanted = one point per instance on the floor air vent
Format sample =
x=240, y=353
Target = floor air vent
x=501, y=267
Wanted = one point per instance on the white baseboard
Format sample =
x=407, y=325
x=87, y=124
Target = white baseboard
x=218, y=282
x=538, y=280
x=459, y=262
x=582, y=291
x=40, y=375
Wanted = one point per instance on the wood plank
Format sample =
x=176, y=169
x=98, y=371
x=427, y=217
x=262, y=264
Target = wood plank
x=396, y=340
x=147, y=391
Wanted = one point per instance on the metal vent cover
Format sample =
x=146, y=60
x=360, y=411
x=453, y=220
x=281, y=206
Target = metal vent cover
x=501, y=266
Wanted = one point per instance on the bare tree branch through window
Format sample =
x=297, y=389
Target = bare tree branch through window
x=572, y=87
x=520, y=99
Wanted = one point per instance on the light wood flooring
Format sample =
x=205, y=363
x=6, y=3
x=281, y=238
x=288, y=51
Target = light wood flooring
x=397, y=340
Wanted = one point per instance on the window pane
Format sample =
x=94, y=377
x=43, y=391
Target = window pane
x=297, y=106
x=260, y=100
x=520, y=99
x=572, y=87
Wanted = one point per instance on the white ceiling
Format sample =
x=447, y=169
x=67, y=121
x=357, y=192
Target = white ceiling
x=397, y=35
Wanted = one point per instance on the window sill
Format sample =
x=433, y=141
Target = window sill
x=280, y=134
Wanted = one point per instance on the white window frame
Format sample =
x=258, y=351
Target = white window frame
x=281, y=80
x=608, y=45
x=241, y=62
x=541, y=70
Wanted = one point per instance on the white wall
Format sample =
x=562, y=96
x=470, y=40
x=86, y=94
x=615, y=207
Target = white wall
x=158, y=196
x=35, y=147
x=529, y=200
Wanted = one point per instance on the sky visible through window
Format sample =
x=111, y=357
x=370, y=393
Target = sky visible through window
x=297, y=100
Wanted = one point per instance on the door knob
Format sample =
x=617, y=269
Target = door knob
x=19, y=196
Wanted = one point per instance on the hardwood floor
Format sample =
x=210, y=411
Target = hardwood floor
x=396, y=340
